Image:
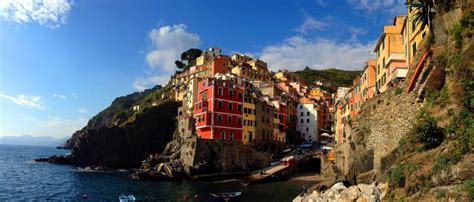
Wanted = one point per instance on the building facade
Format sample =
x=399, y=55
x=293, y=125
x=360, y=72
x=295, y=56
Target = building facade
x=307, y=124
x=218, y=109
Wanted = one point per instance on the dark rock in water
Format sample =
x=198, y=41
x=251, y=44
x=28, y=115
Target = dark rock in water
x=55, y=159
x=125, y=147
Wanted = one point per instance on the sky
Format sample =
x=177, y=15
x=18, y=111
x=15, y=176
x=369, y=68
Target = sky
x=63, y=61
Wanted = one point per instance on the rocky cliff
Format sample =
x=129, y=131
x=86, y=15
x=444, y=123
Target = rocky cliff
x=420, y=142
x=118, y=112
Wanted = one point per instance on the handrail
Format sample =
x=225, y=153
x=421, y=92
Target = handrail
x=418, y=69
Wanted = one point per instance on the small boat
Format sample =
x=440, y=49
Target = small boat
x=227, y=196
x=126, y=198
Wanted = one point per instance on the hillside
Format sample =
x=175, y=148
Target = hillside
x=336, y=77
x=120, y=111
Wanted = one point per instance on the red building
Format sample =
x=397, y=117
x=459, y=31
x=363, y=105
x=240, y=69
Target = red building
x=218, y=109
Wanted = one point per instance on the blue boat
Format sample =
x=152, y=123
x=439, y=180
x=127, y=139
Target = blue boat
x=227, y=196
x=126, y=198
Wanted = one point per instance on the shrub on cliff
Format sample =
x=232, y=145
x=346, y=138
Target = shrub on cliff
x=427, y=131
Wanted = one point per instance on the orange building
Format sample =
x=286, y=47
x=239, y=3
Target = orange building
x=356, y=97
x=389, y=53
x=367, y=81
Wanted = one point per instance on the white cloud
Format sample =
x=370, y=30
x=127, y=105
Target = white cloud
x=59, y=96
x=321, y=3
x=391, y=7
x=168, y=42
x=81, y=110
x=142, y=83
x=59, y=127
x=310, y=24
x=23, y=100
x=50, y=13
x=298, y=52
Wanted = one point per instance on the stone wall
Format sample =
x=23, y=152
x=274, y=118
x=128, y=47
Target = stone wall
x=375, y=133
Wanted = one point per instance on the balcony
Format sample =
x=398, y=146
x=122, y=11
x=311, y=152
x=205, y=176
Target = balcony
x=395, y=57
x=399, y=73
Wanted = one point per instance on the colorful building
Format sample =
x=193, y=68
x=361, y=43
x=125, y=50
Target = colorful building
x=388, y=51
x=264, y=117
x=413, y=34
x=307, y=124
x=250, y=114
x=367, y=81
x=356, y=98
x=282, y=118
x=218, y=110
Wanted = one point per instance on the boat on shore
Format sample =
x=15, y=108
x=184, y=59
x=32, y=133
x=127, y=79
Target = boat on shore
x=226, y=196
x=126, y=198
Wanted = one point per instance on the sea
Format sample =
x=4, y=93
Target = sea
x=23, y=179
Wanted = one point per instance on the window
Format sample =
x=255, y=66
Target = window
x=239, y=108
x=413, y=26
x=219, y=104
x=245, y=122
x=307, y=113
x=230, y=106
x=240, y=95
x=423, y=35
x=219, y=91
x=307, y=129
x=302, y=121
x=307, y=120
x=263, y=119
x=268, y=109
x=204, y=96
x=301, y=106
x=383, y=63
x=231, y=135
x=301, y=113
x=222, y=135
x=229, y=120
x=239, y=121
x=219, y=118
x=231, y=93
x=268, y=120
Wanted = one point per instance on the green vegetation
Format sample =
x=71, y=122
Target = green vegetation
x=396, y=176
x=426, y=130
x=469, y=186
x=440, y=194
x=190, y=57
x=398, y=91
x=423, y=13
x=440, y=163
x=335, y=76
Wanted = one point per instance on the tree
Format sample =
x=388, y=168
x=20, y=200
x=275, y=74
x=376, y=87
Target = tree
x=179, y=64
x=190, y=55
x=424, y=12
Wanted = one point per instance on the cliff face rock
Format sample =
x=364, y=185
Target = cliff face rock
x=228, y=156
x=125, y=147
x=118, y=112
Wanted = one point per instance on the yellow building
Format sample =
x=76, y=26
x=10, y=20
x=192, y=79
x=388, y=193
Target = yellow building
x=413, y=34
x=389, y=46
x=316, y=92
x=259, y=66
x=250, y=122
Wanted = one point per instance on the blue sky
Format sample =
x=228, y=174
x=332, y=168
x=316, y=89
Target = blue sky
x=63, y=61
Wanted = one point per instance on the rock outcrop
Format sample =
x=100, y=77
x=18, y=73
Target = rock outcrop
x=125, y=147
x=339, y=192
x=211, y=159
